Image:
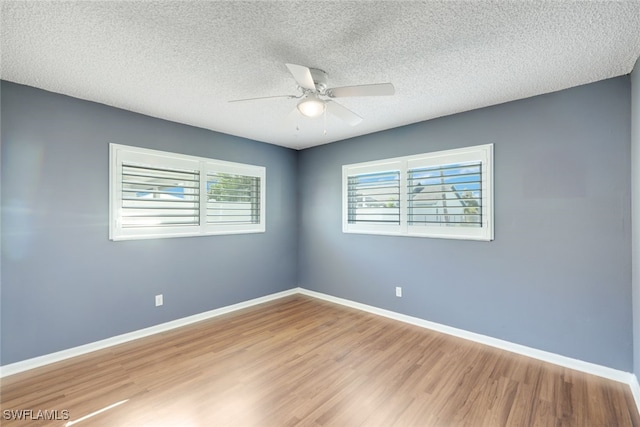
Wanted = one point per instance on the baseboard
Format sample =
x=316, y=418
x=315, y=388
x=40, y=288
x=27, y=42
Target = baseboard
x=47, y=359
x=579, y=365
x=635, y=390
x=556, y=359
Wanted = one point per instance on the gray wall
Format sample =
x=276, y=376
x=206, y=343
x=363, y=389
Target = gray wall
x=558, y=275
x=635, y=197
x=64, y=283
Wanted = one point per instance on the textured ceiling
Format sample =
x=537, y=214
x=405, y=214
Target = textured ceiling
x=184, y=60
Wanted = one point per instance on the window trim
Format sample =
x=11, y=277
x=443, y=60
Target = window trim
x=483, y=153
x=154, y=158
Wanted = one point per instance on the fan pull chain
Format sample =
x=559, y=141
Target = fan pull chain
x=325, y=121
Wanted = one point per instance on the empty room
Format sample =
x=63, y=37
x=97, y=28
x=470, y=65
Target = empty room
x=293, y=213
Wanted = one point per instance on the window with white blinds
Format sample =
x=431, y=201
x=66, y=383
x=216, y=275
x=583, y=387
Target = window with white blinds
x=445, y=194
x=156, y=194
x=233, y=199
x=155, y=197
x=374, y=198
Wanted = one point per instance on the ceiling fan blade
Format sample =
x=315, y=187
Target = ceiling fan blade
x=302, y=75
x=379, y=89
x=264, y=97
x=342, y=112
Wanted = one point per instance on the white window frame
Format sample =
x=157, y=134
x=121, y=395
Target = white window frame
x=481, y=153
x=162, y=159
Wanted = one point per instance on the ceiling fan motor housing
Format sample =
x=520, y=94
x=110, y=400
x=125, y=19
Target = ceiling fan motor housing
x=319, y=80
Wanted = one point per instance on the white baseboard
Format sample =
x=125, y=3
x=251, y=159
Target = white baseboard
x=635, y=390
x=567, y=362
x=37, y=362
x=556, y=359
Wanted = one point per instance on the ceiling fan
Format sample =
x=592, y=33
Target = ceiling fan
x=315, y=96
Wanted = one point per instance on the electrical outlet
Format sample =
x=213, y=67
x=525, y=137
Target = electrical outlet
x=159, y=300
x=398, y=291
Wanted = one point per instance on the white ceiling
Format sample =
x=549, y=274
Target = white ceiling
x=184, y=60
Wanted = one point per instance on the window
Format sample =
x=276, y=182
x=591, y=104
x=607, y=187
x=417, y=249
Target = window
x=156, y=194
x=374, y=198
x=445, y=194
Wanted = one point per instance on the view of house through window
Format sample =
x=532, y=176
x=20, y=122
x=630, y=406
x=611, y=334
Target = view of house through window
x=446, y=194
x=375, y=198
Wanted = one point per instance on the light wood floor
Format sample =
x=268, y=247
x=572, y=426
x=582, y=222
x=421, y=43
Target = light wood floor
x=305, y=362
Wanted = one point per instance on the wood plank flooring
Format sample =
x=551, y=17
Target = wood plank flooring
x=299, y=361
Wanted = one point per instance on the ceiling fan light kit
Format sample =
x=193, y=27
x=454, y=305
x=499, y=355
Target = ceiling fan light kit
x=311, y=106
x=312, y=82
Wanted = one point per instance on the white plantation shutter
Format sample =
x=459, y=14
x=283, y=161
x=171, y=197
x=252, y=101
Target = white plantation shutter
x=374, y=198
x=233, y=199
x=156, y=194
x=159, y=197
x=445, y=194
x=372, y=194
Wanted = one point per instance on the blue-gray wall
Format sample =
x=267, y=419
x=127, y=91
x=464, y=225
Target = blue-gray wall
x=558, y=275
x=64, y=283
x=635, y=197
